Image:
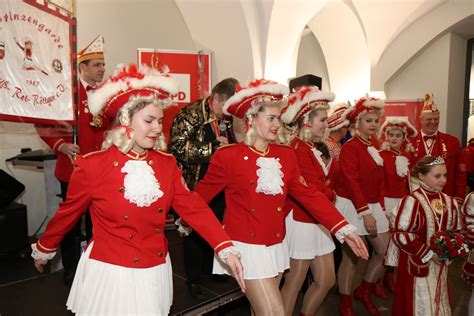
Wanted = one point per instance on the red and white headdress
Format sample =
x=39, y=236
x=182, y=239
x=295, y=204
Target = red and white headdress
x=429, y=106
x=401, y=123
x=95, y=50
x=335, y=120
x=304, y=100
x=255, y=93
x=363, y=105
x=129, y=81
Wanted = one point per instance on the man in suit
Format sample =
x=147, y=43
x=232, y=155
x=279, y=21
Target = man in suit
x=90, y=131
x=198, y=130
x=430, y=141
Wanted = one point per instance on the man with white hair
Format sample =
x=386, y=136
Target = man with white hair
x=432, y=142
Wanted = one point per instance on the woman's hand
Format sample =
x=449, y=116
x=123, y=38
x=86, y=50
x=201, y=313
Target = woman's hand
x=357, y=245
x=39, y=264
x=370, y=225
x=436, y=259
x=233, y=261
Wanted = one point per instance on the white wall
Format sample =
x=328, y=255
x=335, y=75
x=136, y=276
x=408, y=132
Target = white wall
x=345, y=50
x=456, y=85
x=471, y=83
x=221, y=27
x=311, y=59
x=128, y=25
x=426, y=72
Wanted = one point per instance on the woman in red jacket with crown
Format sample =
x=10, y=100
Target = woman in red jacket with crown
x=310, y=245
x=257, y=176
x=129, y=188
x=360, y=200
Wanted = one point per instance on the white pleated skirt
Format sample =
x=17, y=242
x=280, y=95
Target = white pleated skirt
x=390, y=204
x=259, y=261
x=306, y=241
x=101, y=288
x=347, y=209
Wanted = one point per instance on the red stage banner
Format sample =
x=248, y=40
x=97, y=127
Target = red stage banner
x=36, y=62
x=410, y=109
x=191, y=69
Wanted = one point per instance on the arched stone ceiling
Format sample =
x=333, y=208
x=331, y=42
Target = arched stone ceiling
x=364, y=42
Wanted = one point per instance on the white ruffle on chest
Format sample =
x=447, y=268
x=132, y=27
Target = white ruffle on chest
x=374, y=153
x=270, y=176
x=317, y=154
x=141, y=186
x=402, y=166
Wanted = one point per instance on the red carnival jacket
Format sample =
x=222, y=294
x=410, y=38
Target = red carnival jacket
x=259, y=218
x=123, y=233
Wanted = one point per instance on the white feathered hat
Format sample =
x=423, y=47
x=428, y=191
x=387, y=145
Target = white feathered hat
x=304, y=100
x=128, y=81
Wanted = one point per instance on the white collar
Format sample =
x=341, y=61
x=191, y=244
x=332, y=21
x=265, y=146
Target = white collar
x=85, y=84
x=423, y=134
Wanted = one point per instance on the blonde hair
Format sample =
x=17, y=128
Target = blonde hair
x=250, y=134
x=406, y=145
x=304, y=130
x=121, y=135
x=356, y=131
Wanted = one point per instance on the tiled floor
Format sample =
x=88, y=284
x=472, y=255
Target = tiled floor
x=25, y=292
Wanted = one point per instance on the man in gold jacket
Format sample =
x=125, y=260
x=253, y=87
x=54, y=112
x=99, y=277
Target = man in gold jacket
x=198, y=130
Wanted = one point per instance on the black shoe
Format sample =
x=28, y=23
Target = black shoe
x=68, y=277
x=220, y=277
x=196, y=291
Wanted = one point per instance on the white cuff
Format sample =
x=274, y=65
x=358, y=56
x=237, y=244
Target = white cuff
x=344, y=231
x=36, y=254
x=366, y=212
x=186, y=230
x=225, y=253
x=427, y=257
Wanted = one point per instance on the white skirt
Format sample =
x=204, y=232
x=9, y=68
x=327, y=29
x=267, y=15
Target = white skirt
x=101, y=288
x=259, y=261
x=306, y=241
x=347, y=209
x=390, y=204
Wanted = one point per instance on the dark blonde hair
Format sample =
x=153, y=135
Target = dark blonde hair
x=122, y=138
x=250, y=116
x=304, y=131
x=424, y=166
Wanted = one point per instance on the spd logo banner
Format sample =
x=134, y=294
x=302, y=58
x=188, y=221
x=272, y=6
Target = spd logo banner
x=191, y=69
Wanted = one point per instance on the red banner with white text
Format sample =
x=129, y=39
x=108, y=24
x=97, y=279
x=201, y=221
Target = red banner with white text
x=409, y=109
x=192, y=70
x=36, y=62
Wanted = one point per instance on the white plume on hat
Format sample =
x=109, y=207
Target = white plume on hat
x=111, y=88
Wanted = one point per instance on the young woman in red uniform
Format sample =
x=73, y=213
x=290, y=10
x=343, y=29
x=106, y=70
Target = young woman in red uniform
x=310, y=245
x=397, y=154
x=129, y=187
x=422, y=287
x=257, y=176
x=360, y=200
